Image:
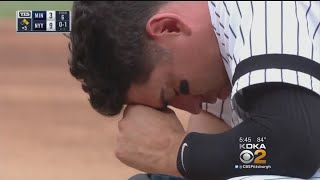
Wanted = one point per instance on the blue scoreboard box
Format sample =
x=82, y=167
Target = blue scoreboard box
x=43, y=21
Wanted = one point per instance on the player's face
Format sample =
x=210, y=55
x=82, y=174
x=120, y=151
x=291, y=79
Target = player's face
x=194, y=74
x=185, y=84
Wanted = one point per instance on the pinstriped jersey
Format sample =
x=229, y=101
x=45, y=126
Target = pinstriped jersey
x=262, y=42
x=252, y=35
x=267, y=41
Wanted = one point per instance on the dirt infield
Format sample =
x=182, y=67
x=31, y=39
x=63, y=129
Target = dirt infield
x=48, y=131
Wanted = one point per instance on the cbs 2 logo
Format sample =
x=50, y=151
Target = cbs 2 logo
x=246, y=156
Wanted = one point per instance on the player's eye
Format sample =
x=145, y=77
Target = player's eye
x=184, y=87
x=167, y=94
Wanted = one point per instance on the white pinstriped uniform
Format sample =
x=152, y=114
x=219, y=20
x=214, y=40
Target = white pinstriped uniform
x=252, y=28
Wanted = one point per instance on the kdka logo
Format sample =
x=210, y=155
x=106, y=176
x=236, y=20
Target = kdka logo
x=253, y=153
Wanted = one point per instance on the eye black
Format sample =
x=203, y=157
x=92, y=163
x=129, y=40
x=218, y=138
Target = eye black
x=184, y=87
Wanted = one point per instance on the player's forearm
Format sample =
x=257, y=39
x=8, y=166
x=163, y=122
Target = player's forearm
x=280, y=136
x=207, y=123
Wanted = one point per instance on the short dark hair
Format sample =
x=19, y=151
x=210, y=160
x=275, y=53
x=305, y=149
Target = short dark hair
x=110, y=49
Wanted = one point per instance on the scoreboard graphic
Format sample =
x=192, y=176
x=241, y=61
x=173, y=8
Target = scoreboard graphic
x=43, y=21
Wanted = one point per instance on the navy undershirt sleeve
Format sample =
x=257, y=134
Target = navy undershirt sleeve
x=283, y=120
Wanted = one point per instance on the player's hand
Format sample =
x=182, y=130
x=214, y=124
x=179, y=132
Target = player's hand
x=149, y=140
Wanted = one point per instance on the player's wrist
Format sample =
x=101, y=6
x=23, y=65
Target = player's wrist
x=172, y=153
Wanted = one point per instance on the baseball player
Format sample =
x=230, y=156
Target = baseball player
x=278, y=28
x=261, y=59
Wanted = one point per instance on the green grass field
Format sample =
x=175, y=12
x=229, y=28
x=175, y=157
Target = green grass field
x=9, y=8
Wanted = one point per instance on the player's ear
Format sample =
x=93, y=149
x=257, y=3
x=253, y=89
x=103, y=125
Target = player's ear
x=166, y=25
